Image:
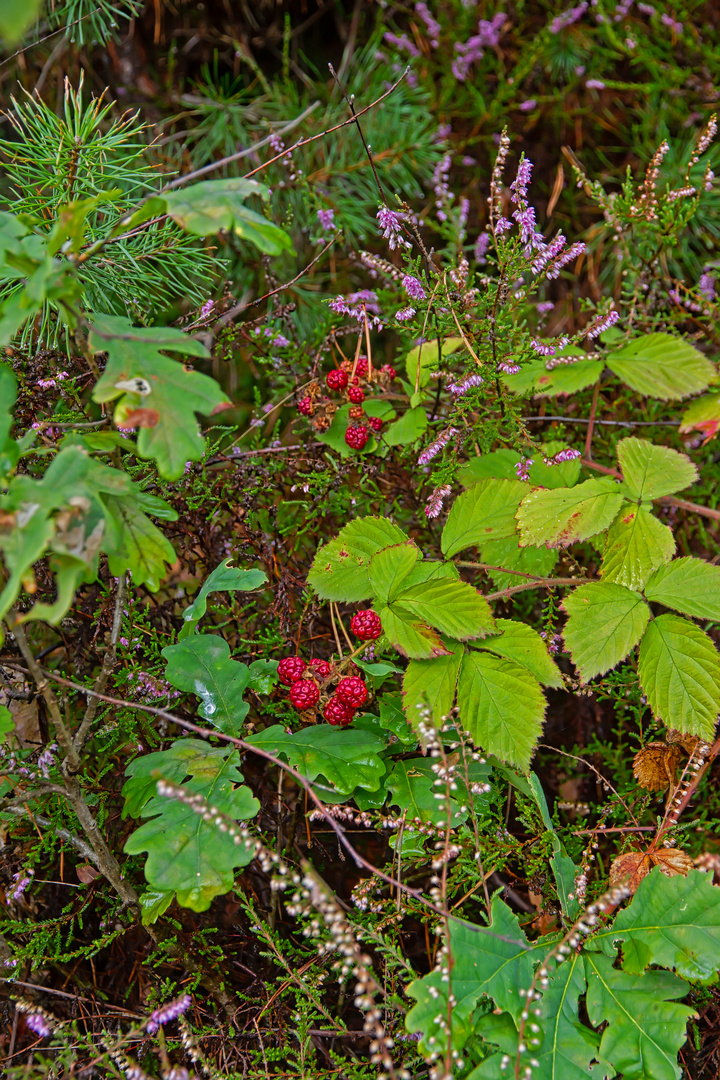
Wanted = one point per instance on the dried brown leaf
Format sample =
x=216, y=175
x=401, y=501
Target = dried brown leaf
x=655, y=766
x=631, y=868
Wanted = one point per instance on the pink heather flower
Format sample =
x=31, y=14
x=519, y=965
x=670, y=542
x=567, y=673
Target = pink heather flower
x=706, y=286
x=404, y=314
x=519, y=185
x=527, y=106
x=46, y=384
x=47, y=759
x=508, y=368
x=594, y=84
x=481, y=245
x=622, y=9
x=326, y=219
x=390, y=227
x=366, y=297
x=413, y=287
x=21, y=883
x=435, y=447
x=503, y=225
x=462, y=387
x=168, y=1012
x=549, y=252
x=436, y=500
x=542, y=347
x=522, y=468
x=647, y=9
x=672, y=24
x=567, y=18
x=37, y=1024
x=529, y=235
x=553, y=270
x=431, y=24
x=602, y=323
x=402, y=43
x=562, y=455
x=544, y=306
x=206, y=308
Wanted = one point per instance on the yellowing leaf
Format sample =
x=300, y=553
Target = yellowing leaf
x=560, y=517
x=637, y=543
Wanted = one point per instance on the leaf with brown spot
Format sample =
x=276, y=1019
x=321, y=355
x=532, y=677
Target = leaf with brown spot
x=137, y=418
x=655, y=766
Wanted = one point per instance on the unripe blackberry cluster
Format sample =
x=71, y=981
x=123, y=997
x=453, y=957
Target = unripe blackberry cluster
x=308, y=689
x=352, y=382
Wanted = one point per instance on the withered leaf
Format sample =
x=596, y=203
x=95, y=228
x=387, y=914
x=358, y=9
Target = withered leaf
x=655, y=766
x=631, y=868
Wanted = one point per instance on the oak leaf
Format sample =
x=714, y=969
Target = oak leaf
x=655, y=766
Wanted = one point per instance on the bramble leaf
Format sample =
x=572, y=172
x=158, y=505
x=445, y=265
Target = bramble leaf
x=224, y=578
x=651, y=471
x=427, y=356
x=521, y=643
x=389, y=568
x=201, y=665
x=410, y=636
x=346, y=759
x=452, y=607
x=560, y=517
x=407, y=428
x=605, y=622
x=185, y=853
x=432, y=683
x=340, y=569
x=500, y=465
x=662, y=366
x=537, y=561
x=501, y=705
x=637, y=543
x=679, y=671
x=702, y=415
x=689, y=585
x=485, y=511
x=563, y=379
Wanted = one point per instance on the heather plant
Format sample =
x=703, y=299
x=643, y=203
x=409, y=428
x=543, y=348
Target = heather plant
x=285, y=696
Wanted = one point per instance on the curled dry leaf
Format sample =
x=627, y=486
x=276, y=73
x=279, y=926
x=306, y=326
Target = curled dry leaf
x=655, y=766
x=631, y=868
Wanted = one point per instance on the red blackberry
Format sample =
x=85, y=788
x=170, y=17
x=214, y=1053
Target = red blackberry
x=356, y=437
x=290, y=669
x=305, y=406
x=352, y=691
x=362, y=367
x=304, y=694
x=337, y=713
x=366, y=625
x=375, y=423
x=320, y=668
x=336, y=379
x=356, y=395
x=389, y=370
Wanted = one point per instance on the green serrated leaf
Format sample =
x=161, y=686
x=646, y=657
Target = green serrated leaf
x=431, y=684
x=651, y=471
x=427, y=355
x=521, y=643
x=605, y=622
x=502, y=706
x=340, y=569
x=637, y=543
x=185, y=853
x=347, y=759
x=411, y=786
x=214, y=205
x=671, y=921
x=157, y=395
x=224, y=578
x=389, y=568
x=453, y=607
x=201, y=665
x=405, y=430
x=662, y=366
x=679, y=671
x=561, y=517
x=644, y=1031
x=498, y=465
x=563, y=379
x=410, y=637
x=486, y=511
x=702, y=415
x=689, y=585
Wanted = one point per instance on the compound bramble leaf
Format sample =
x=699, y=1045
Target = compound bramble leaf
x=518, y=641
x=662, y=366
x=389, y=568
x=485, y=511
x=432, y=683
x=637, y=543
x=502, y=706
x=689, y=585
x=452, y=607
